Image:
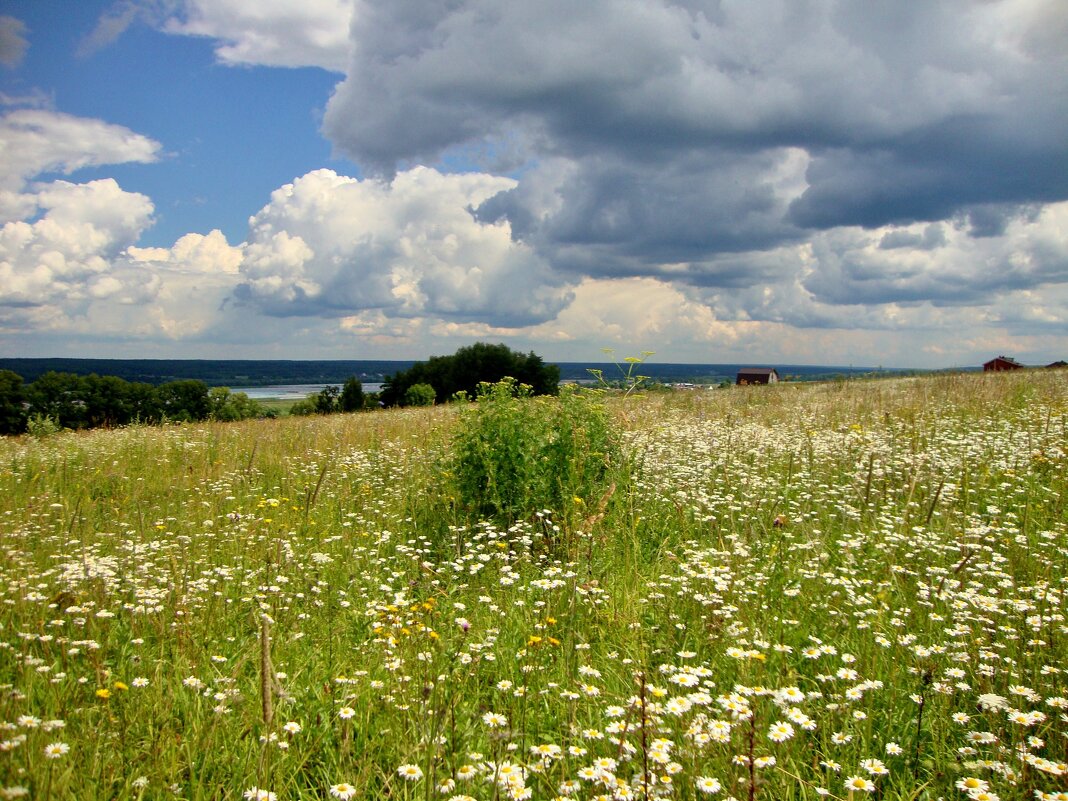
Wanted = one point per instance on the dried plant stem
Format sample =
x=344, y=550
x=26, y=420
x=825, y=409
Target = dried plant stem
x=266, y=672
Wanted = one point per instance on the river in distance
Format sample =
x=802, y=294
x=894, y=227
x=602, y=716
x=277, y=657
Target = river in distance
x=294, y=392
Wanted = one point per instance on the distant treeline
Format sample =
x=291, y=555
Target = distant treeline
x=66, y=400
x=213, y=372
x=256, y=373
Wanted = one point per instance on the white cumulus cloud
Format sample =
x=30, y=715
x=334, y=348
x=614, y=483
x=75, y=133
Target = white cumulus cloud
x=333, y=246
x=277, y=33
x=65, y=256
x=35, y=141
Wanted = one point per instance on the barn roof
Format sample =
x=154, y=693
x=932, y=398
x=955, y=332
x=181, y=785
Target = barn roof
x=1005, y=359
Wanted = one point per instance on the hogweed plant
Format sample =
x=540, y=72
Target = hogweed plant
x=842, y=591
x=627, y=379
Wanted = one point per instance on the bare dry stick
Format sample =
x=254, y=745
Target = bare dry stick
x=266, y=672
x=934, y=502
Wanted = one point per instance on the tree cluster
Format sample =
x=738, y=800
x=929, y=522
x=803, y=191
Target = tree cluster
x=91, y=401
x=464, y=371
x=350, y=397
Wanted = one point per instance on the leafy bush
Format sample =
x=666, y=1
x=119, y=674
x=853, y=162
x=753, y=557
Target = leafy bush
x=229, y=406
x=41, y=426
x=419, y=395
x=304, y=408
x=515, y=454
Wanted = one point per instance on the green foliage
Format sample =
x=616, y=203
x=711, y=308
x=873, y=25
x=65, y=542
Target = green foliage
x=326, y=401
x=304, y=408
x=183, y=401
x=41, y=426
x=352, y=398
x=229, y=406
x=469, y=367
x=93, y=401
x=627, y=379
x=515, y=454
x=12, y=403
x=419, y=395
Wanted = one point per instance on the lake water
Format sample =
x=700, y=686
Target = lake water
x=294, y=392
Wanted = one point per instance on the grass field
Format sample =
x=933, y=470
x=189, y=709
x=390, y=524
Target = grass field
x=841, y=590
x=280, y=406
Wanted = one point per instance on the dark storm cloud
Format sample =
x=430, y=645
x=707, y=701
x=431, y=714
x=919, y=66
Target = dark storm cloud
x=614, y=218
x=669, y=114
x=933, y=172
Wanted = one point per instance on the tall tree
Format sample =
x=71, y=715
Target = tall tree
x=470, y=366
x=352, y=395
x=13, y=412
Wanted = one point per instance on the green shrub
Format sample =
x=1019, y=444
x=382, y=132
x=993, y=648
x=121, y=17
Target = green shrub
x=304, y=408
x=41, y=426
x=515, y=454
x=419, y=395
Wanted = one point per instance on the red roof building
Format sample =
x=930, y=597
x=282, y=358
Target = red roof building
x=757, y=375
x=1000, y=364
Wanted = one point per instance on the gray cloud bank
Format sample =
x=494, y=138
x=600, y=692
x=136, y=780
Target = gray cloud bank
x=653, y=134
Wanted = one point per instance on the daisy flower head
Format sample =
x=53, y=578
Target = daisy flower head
x=791, y=695
x=494, y=720
x=346, y=712
x=971, y=784
x=466, y=772
x=56, y=750
x=874, y=767
x=859, y=784
x=989, y=701
x=256, y=794
x=780, y=731
x=708, y=785
x=344, y=791
x=412, y=773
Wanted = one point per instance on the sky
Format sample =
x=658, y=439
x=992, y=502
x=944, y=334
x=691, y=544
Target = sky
x=836, y=182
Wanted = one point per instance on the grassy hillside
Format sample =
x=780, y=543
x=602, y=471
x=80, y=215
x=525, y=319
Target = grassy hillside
x=783, y=592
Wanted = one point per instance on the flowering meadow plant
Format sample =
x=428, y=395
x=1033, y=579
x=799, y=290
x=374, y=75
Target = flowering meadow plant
x=846, y=591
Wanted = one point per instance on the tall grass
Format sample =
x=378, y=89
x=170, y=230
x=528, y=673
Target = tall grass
x=794, y=592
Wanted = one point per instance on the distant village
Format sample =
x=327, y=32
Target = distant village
x=1003, y=363
x=750, y=376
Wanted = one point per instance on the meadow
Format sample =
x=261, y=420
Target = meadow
x=845, y=590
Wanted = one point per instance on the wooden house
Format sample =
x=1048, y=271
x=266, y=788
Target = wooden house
x=1000, y=364
x=757, y=375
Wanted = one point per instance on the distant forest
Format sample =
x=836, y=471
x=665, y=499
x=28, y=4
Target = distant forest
x=214, y=373
x=258, y=373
